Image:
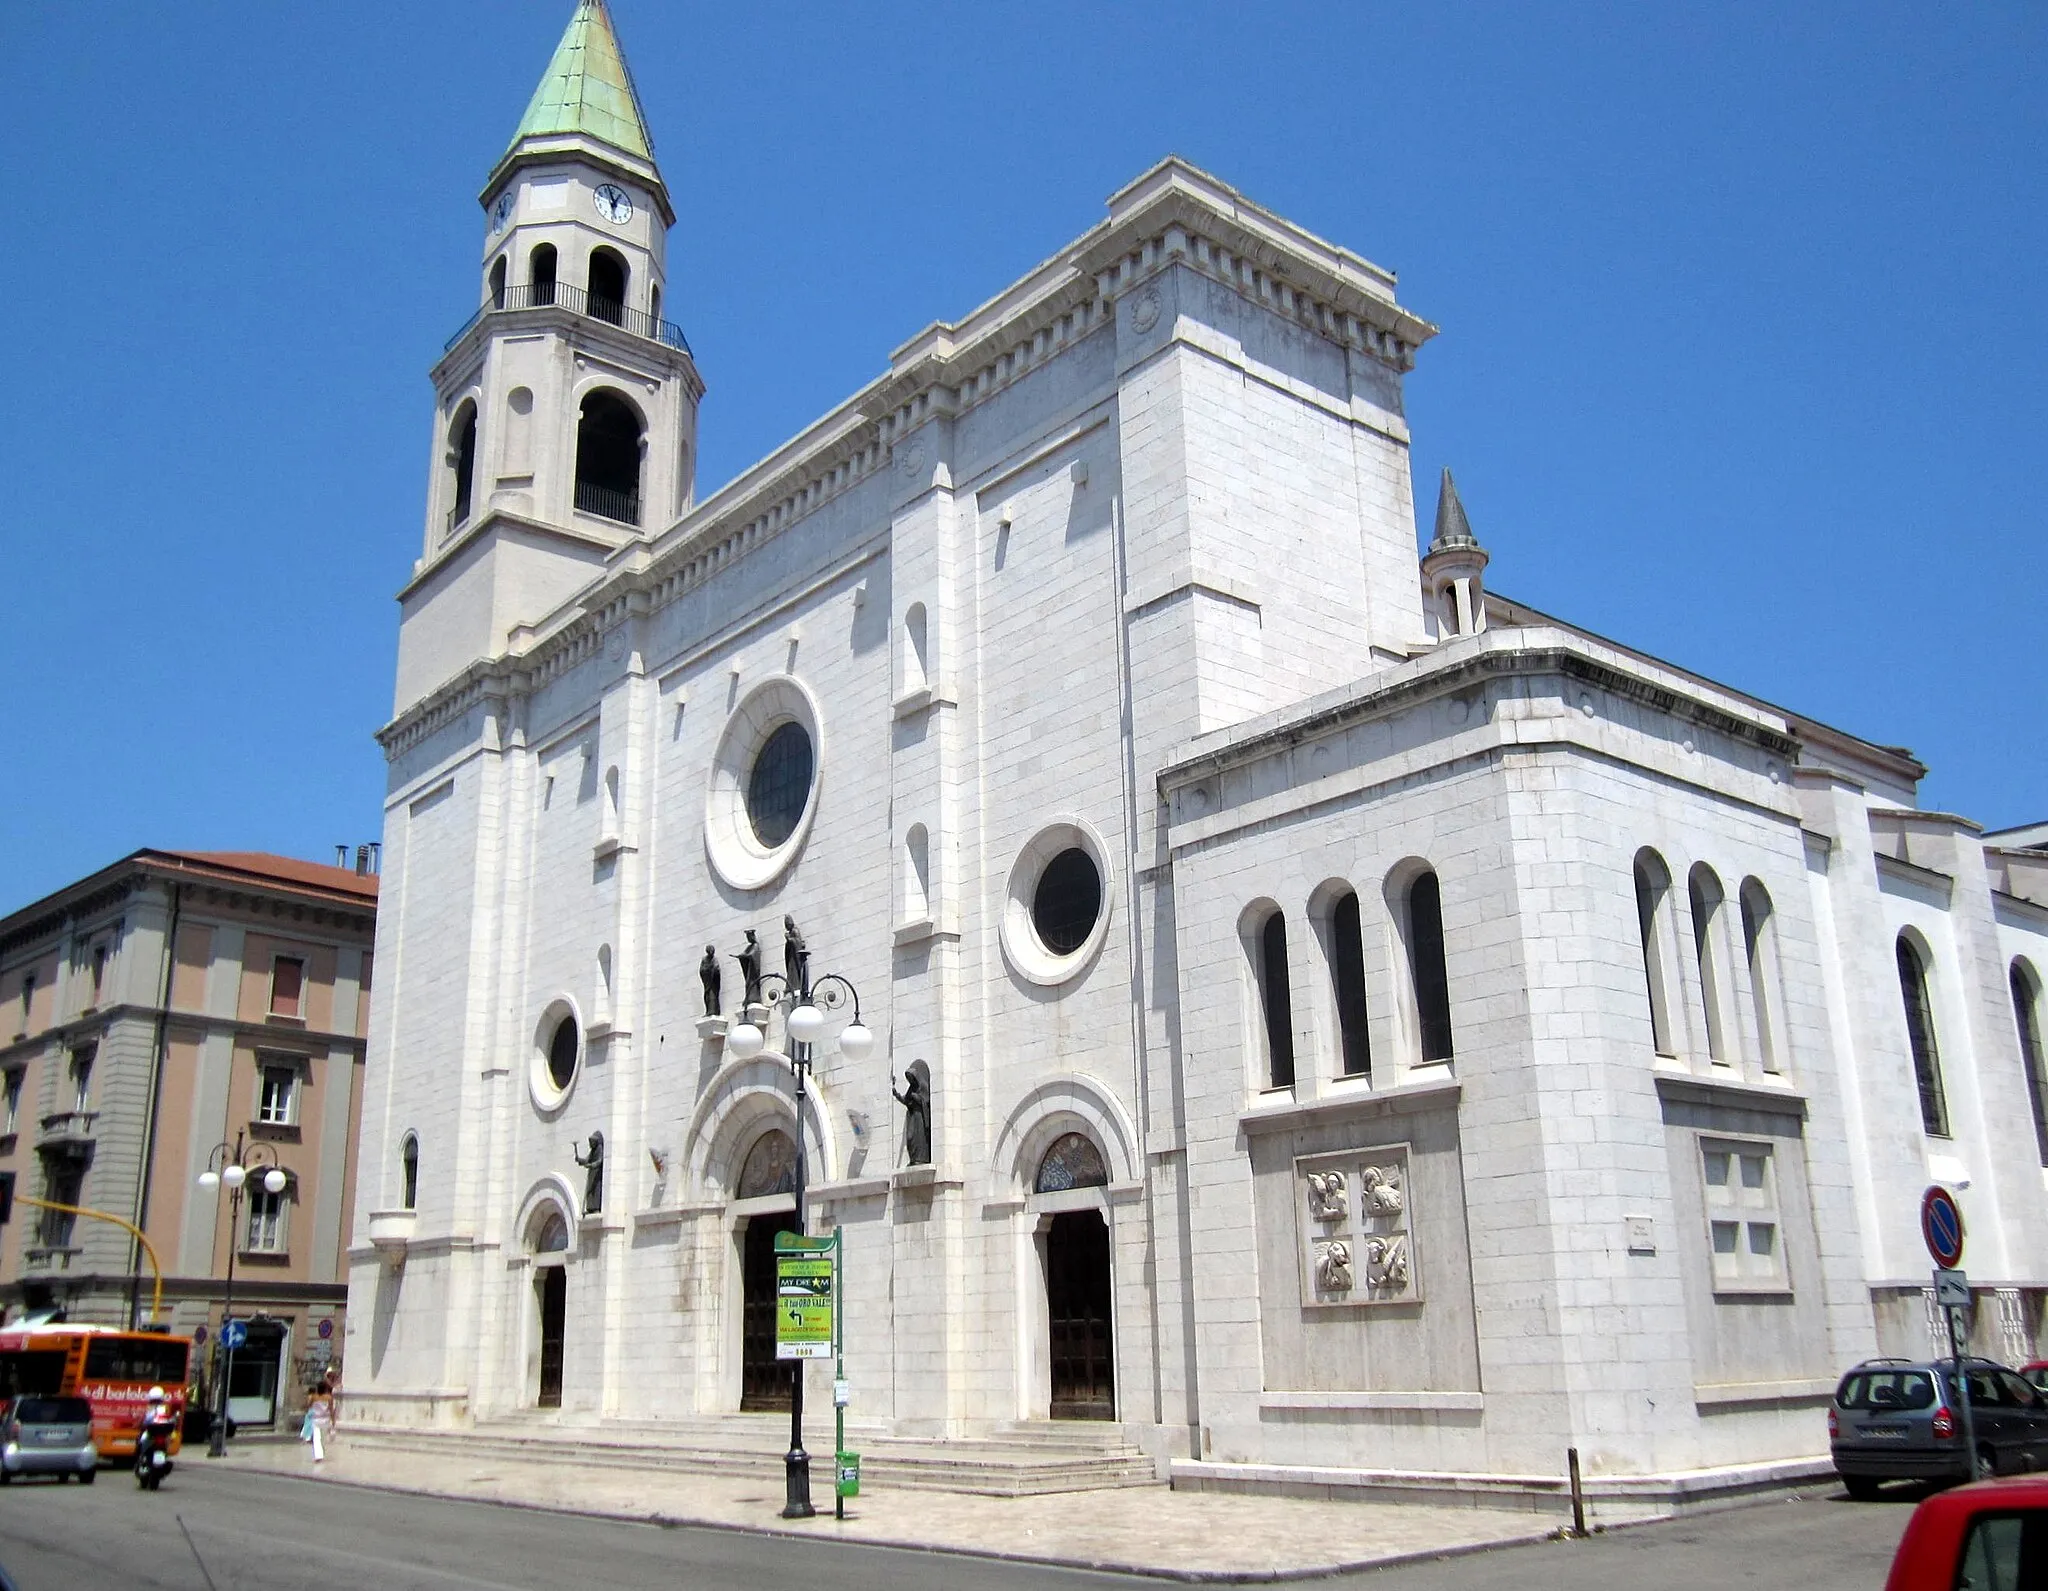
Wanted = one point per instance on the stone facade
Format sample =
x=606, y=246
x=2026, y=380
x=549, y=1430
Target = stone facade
x=164, y=1007
x=1124, y=564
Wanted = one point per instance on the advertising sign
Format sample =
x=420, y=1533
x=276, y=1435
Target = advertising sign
x=804, y=1278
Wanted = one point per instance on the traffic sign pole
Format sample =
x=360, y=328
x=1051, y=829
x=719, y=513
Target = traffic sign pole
x=1941, y=1226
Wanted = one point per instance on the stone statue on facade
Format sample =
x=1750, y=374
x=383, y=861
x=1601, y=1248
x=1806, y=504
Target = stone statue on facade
x=712, y=979
x=750, y=970
x=1326, y=1196
x=593, y=1174
x=916, y=1100
x=1386, y=1263
x=1333, y=1267
x=1380, y=1191
x=796, y=958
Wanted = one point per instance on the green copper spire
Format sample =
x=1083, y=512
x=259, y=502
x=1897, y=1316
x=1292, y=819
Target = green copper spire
x=588, y=89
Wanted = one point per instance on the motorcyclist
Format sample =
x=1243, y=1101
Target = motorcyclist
x=159, y=1420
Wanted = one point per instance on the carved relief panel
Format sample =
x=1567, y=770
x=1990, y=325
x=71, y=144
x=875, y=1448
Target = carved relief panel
x=1352, y=1220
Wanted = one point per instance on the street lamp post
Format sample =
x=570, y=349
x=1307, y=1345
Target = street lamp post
x=231, y=1165
x=805, y=1023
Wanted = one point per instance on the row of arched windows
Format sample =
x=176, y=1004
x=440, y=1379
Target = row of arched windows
x=1915, y=959
x=604, y=297
x=609, y=430
x=1415, y=900
x=1739, y=1009
x=1732, y=1019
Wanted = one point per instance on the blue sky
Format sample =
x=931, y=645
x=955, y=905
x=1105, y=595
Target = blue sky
x=1741, y=358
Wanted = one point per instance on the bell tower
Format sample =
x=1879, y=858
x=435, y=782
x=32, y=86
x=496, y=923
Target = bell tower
x=565, y=421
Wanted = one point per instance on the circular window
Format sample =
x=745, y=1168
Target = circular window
x=779, y=788
x=1067, y=901
x=765, y=778
x=1057, y=910
x=562, y=1053
x=557, y=1055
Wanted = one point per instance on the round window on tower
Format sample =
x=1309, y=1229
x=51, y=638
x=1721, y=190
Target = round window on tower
x=779, y=784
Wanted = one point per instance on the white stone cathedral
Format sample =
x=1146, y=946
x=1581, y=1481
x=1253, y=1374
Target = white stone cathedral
x=1370, y=1025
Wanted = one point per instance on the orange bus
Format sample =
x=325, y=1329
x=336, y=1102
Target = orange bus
x=111, y=1369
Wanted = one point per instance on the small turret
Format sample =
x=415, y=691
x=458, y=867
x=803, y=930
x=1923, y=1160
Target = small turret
x=1452, y=590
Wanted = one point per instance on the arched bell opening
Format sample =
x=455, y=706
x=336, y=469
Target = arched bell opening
x=608, y=434
x=540, y=275
x=462, y=465
x=608, y=278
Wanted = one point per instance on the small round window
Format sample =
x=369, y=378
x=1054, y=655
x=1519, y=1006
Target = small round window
x=1067, y=901
x=1057, y=903
x=562, y=1053
x=779, y=785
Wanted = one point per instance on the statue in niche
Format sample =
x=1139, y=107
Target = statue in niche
x=796, y=958
x=750, y=970
x=1326, y=1196
x=1380, y=1191
x=1386, y=1263
x=1333, y=1267
x=593, y=1174
x=916, y=1100
x=712, y=979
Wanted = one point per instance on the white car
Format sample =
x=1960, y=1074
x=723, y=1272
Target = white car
x=48, y=1436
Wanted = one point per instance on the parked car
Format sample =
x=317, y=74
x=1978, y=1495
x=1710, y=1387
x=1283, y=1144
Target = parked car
x=1900, y=1419
x=47, y=1436
x=1992, y=1536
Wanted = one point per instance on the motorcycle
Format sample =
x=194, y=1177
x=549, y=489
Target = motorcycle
x=153, y=1450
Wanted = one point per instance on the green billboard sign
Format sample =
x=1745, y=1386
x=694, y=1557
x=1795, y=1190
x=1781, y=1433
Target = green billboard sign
x=806, y=1277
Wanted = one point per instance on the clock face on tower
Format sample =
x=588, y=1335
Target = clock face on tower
x=501, y=212
x=613, y=204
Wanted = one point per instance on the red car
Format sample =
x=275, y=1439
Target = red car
x=1988, y=1536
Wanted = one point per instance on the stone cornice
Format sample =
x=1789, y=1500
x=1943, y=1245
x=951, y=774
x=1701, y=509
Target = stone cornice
x=102, y=1020
x=1491, y=656
x=499, y=519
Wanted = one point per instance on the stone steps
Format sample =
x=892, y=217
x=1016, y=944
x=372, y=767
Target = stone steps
x=1016, y=1462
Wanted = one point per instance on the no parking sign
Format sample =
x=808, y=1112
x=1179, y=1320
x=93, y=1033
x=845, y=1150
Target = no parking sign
x=1941, y=1224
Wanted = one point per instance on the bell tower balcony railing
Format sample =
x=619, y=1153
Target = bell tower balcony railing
x=608, y=503
x=542, y=295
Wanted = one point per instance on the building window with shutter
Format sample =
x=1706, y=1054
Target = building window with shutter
x=287, y=986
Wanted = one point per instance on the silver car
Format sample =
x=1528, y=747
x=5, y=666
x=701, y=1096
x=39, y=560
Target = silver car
x=48, y=1436
x=1901, y=1419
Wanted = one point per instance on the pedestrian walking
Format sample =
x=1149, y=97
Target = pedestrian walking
x=319, y=1420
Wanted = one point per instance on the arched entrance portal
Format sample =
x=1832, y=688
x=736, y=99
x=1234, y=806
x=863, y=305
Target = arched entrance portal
x=551, y=1303
x=769, y=1169
x=1080, y=1347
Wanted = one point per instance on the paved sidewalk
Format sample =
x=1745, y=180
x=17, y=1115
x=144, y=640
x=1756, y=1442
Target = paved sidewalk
x=1136, y=1530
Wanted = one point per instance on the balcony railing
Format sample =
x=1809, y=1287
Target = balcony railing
x=67, y=1131
x=608, y=504
x=540, y=295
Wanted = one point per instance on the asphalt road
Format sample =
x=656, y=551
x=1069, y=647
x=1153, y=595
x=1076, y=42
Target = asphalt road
x=258, y=1532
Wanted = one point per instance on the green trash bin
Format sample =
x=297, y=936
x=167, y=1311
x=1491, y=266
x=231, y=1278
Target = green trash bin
x=849, y=1475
